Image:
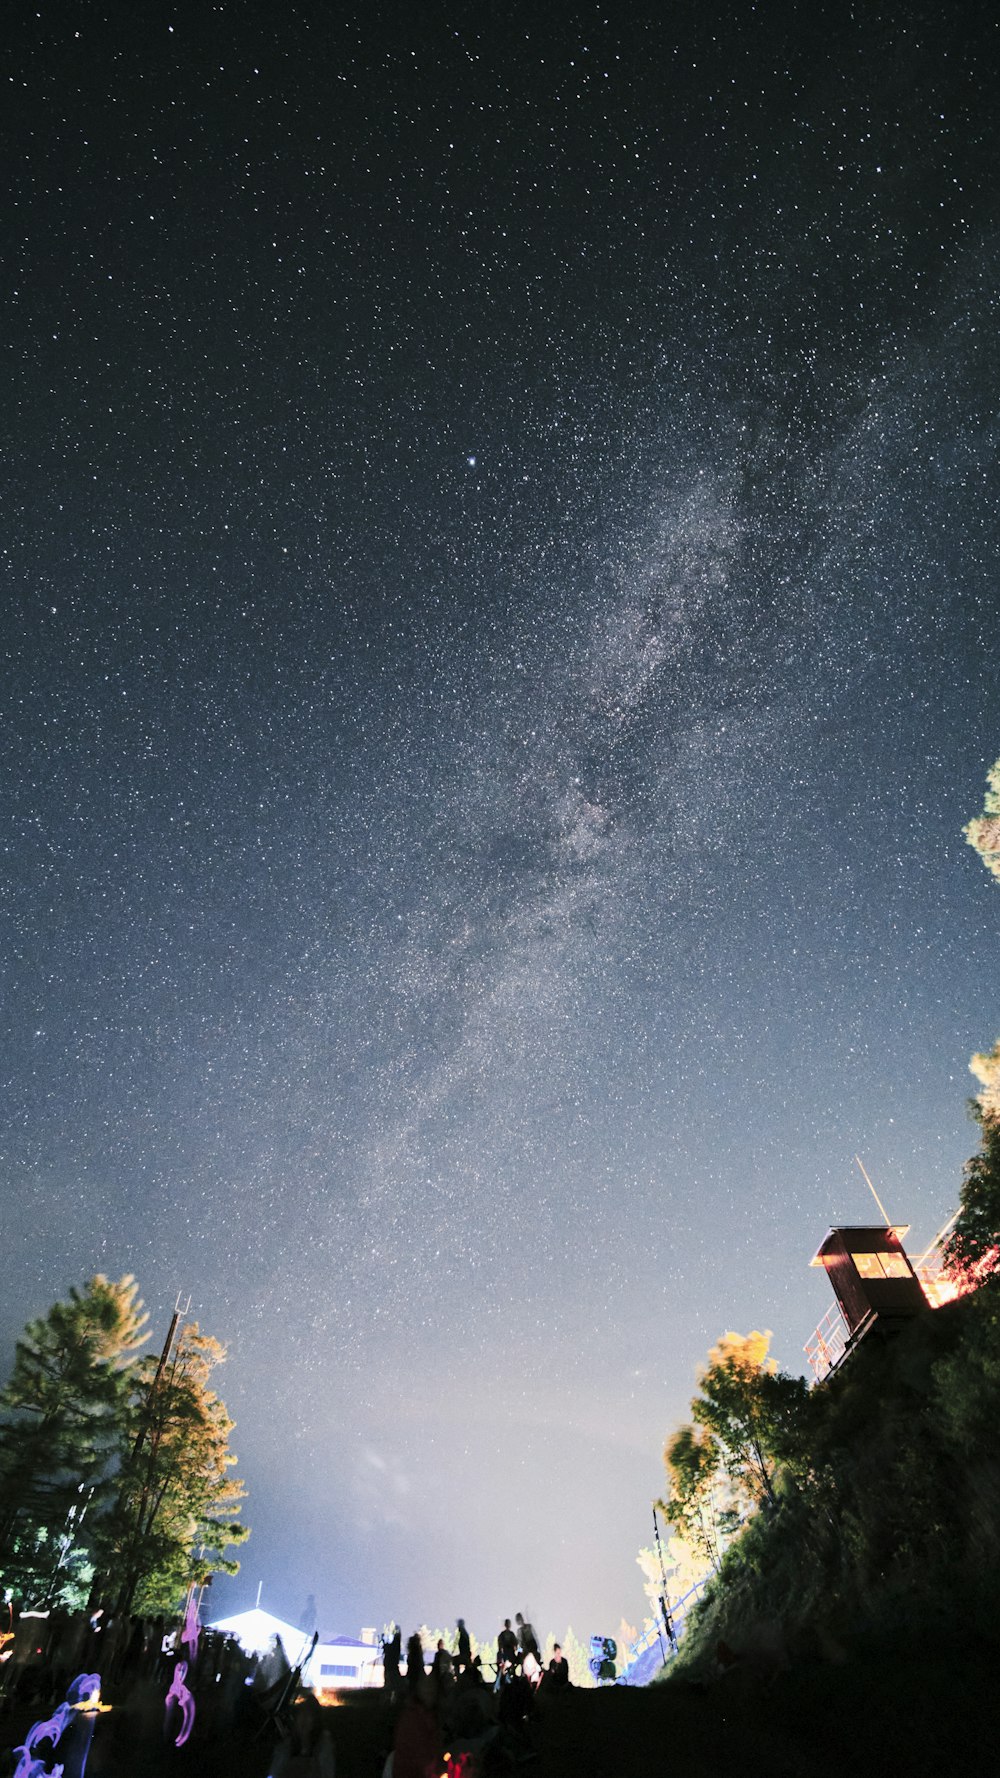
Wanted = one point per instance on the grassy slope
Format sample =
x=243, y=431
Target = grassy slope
x=897, y=1528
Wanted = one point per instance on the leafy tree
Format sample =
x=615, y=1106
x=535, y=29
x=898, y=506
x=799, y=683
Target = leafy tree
x=683, y=1565
x=748, y=1429
x=984, y=832
x=752, y=1411
x=693, y=1505
x=60, y=1419
x=177, y=1504
x=649, y=1562
x=986, y=1068
x=971, y=1248
x=975, y=1239
x=966, y=1390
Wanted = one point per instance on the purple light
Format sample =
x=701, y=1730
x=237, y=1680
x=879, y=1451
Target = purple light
x=179, y=1695
x=27, y=1767
x=85, y=1690
x=192, y=1627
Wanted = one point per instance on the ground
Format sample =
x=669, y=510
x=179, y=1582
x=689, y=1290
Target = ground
x=897, y=1712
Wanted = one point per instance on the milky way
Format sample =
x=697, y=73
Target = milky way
x=500, y=648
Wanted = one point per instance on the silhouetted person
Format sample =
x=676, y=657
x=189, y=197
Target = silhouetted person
x=506, y=1646
x=391, y=1652
x=558, y=1674
x=517, y=1701
x=272, y=1674
x=471, y=1677
x=473, y=1709
x=464, y=1655
x=414, y=1661
x=526, y=1637
x=416, y=1748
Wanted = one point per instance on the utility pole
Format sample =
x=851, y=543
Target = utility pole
x=130, y=1555
x=164, y=1356
x=664, y=1607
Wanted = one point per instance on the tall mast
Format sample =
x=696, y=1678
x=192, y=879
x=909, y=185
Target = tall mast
x=164, y=1356
x=874, y=1193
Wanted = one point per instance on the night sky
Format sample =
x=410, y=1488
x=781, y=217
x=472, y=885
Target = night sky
x=499, y=644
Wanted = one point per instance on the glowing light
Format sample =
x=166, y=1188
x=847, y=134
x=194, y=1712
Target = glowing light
x=192, y=1627
x=179, y=1695
x=50, y=1730
x=945, y=1284
x=84, y=1694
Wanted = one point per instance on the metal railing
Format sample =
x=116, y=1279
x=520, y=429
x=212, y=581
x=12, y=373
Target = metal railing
x=658, y=1633
x=827, y=1345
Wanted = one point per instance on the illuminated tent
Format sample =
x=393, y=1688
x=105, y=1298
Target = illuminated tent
x=254, y=1629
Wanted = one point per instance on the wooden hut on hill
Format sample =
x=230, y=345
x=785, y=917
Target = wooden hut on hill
x=875, y=1285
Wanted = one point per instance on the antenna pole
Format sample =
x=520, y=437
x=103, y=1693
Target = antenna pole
x=130, y=1559
x=937, y=1238
x=164, y=1355
x=664, y=1607
x=874, y=1193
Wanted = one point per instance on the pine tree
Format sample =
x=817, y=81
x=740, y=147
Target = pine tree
x=973, y=1247
x=177, y=1507
x=61, y=1415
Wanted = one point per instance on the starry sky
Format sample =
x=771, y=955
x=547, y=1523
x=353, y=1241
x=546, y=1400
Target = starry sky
x=499, y=645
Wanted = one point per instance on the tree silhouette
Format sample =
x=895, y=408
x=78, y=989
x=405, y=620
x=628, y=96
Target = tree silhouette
x=177, y=1507
x=61, y=1415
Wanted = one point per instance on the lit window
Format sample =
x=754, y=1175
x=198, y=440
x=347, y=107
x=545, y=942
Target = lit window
x=881, y=1265
x=894, y=1265
x=868, y=1265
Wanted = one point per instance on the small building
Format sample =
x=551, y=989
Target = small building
x=875, y=1285
x=336, y=1664
x=346, y=1663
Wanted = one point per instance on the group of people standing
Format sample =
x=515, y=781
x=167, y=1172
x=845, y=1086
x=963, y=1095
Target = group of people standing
x=452, y=1705
x=518, y=1654
x=447, y=1664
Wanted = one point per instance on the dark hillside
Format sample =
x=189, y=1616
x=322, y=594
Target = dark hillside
x=889, y=1532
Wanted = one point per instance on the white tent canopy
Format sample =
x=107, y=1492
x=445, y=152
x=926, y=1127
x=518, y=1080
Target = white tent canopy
x=254, y=1629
